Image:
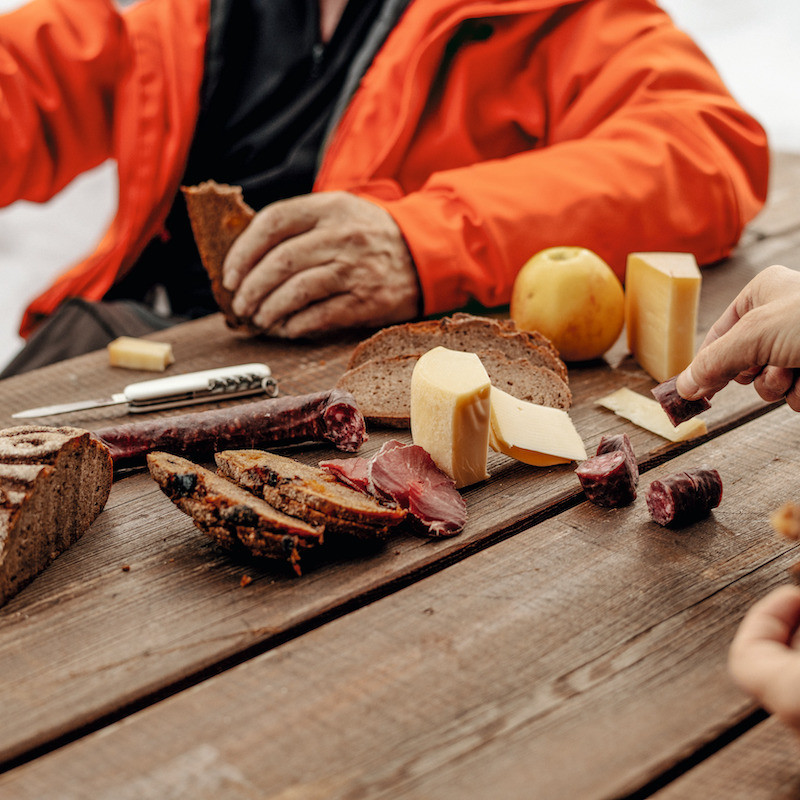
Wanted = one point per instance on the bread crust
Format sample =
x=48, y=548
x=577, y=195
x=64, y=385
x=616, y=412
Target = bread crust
x=218, y=214
x=460, y=331
x=54, y=482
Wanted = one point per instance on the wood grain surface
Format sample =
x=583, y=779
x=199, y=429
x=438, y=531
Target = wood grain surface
x=552, y=646
x=579, y=658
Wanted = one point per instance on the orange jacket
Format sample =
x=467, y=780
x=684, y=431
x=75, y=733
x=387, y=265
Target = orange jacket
x=595, y=123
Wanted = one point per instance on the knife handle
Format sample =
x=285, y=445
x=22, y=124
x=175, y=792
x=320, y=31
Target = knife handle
x=242, y=377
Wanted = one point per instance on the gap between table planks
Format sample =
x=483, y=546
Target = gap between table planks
x=580, y=658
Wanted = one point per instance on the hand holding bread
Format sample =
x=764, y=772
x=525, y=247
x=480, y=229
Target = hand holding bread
x=321, y=262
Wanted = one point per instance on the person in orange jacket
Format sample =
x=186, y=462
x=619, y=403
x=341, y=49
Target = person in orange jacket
x=407, y=157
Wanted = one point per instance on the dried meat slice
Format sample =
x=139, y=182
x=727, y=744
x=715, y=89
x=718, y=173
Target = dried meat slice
x=408, y=475
x=620, y=441
x=676, y=407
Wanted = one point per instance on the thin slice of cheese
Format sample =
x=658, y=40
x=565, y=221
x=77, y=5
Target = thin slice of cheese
x=662, y=292
x=450, y=412
x=648, y=414
x=534, y=434
x=132, y=353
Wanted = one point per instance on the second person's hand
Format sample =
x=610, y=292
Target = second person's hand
x=756, y=340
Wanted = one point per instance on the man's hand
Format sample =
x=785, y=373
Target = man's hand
x=756, y=340
x=321, y=262
x=764, y=658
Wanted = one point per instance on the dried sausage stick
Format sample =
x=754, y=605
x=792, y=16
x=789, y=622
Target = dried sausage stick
x=324, y=416
x=684, y=497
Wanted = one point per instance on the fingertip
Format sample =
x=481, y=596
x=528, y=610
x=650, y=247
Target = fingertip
x=686, y=386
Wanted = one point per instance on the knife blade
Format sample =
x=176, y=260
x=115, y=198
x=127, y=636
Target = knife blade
x=174, y=391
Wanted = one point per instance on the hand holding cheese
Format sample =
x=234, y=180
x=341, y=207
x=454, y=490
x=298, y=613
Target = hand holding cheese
x=662, y=293
x=756, y=340
x=450, y=412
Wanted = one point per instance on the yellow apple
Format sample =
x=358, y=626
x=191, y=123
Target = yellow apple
x=571, y=296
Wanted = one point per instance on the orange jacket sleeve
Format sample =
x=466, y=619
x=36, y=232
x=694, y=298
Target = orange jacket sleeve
x=635, y=144
x=57, y=84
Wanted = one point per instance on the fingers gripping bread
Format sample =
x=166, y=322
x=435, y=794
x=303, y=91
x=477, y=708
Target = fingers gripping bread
x=53, y=484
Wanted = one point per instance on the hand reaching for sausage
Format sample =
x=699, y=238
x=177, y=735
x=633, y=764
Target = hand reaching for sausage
x=756, y=340
x=764, y=657
x=321, y=262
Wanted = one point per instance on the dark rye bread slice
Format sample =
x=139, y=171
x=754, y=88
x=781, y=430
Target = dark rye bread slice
x=464, y=332
x=310, y=492
x=382, y=386
x=229, y=514
x=218, y=214
x=53, y=484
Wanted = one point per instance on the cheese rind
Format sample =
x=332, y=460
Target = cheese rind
x=662, y=293
x=132, y=353
x=648, y=414
x=534, y=434
x=450, y=413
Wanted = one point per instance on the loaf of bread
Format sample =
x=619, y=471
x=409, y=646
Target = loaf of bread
x=310, y=493
x=53, y=484
x=382, y=386
x=218, y=214
x=464, y=332
x=231, y=515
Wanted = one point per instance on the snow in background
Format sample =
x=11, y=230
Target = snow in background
x=751, y=42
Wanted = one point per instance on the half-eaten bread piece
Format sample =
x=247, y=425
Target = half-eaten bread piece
x=218, y=214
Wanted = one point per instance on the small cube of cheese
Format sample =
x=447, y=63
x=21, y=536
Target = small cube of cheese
x=132, y=353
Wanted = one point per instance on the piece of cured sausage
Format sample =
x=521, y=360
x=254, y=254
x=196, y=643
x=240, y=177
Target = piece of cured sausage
x=676, y=408
x=684, y=496
x=607, y=479
x=620, y=441
x=331, y=416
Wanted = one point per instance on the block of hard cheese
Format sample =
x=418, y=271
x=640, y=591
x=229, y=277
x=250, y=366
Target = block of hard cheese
x=450, y=412
x=648, y=414
x=662, y=292
x=534, y=434
x=132, y=353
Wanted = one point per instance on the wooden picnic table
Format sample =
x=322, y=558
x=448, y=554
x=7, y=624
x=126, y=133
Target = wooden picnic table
x=554, y=649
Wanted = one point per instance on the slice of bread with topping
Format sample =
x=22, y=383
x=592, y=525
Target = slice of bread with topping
x=53, y=484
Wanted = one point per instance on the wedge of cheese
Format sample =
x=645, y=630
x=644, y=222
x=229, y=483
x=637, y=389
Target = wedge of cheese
x=450, y=412
x=648, y=414
x=662, y=292
x=534, y=434
x=132, y=353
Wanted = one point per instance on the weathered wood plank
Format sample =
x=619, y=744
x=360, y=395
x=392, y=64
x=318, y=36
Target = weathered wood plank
x=763, y=764
x=71, y=646
x=580, y=658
